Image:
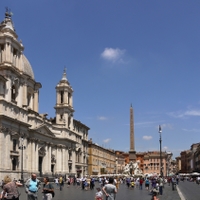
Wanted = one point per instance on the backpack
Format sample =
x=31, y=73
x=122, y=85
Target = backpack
x=52, y=192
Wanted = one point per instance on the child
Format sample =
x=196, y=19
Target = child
x=99, y=194
x=154, y=196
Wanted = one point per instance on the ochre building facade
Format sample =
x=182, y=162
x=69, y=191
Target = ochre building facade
x=100, y=160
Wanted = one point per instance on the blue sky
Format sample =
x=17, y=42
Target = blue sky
x=118, y=53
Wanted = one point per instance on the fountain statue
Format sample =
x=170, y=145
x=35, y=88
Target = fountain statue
x=132, y=169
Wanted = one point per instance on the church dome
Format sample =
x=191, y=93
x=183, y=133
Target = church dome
x=26, y=67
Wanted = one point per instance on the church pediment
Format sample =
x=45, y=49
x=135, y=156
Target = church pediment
x=44, y=130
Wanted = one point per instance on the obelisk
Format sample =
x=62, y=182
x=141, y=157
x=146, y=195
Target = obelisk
x=132, y=153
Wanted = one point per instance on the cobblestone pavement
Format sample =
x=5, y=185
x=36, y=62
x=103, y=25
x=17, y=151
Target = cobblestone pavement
x=124, y=193
x=189, y=190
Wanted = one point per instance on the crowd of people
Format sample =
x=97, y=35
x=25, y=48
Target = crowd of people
x=105, y=186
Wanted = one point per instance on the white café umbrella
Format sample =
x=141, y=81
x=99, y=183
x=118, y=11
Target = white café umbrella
x=195, y=173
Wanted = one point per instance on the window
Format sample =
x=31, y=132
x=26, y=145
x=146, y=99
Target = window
x=70, y=155
x=61, y=96
x=14, y=144
x=14, y=163
x=77, y=157
x=69, y=121
x=13, y=93
x=14, y=52
x=61, y=116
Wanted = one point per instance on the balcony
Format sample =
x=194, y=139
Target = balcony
x=14, y=153
x=69, y=161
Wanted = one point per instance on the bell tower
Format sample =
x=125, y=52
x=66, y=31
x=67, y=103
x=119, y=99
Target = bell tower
x=64, y=102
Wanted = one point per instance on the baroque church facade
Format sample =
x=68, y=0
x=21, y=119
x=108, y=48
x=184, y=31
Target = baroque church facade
x=29, y=141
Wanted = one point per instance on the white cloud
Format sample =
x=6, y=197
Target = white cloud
x=107, y=140
x=147, y=137
x=192, y=113
x=191, y=130
x=102, y=118
x=113, y=55
x=165, y=148
x=179, y=114
x=144, y=123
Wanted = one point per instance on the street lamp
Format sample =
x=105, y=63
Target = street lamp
x=160, y=131
x=22, y=147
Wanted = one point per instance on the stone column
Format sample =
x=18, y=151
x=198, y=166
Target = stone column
x=63, y=159
x=65, y=96
x=12, y=58
x=35, y=104
x=46, y=159
x=24, y=154
x=7, y=151
x=19, y=99
x=1, y=149
x=4, y=54
x=8, y=85
x=66, y=160
x=28, y=149
x=8, y=52
x=49, y=164
x=20, y=60
x=73, y=161
x=33, y=155
x=25, y=94
x=36, y=157
x=71, y=100
x=57, y=160
x=1, y=55
x=58, y=97
x=31, y=101
x=17, y=61
x=60, y=159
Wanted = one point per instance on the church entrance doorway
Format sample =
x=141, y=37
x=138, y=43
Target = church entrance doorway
x=40, y=165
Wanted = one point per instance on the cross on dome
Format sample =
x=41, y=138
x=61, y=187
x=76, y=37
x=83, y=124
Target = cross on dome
x=64, y=74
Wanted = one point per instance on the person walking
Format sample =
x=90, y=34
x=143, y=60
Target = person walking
x=169, y=180
x=32, y=186
x=92, y=183
x=61, y=183
x=173, y=183
x=141, y=183
x=161, y=182
x=10, y=189
x=147, y=183
x=56, y=181
x=48, y=189
x=110, y=190
x=83, y=183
